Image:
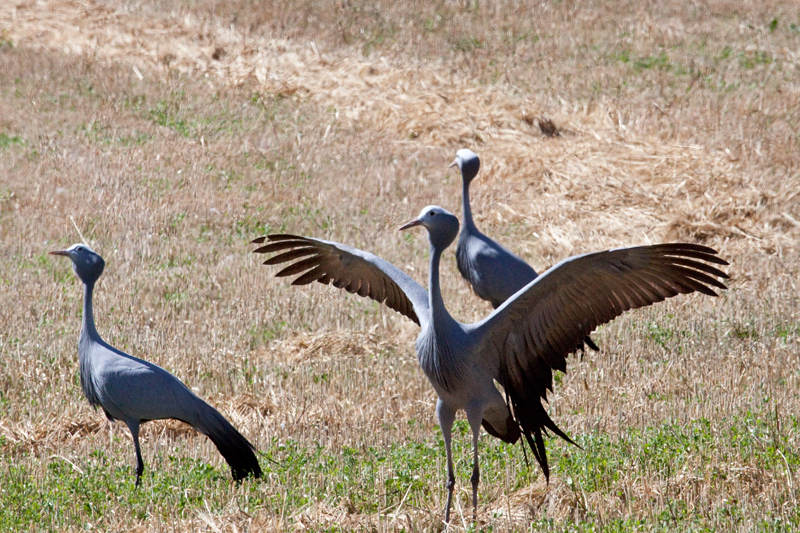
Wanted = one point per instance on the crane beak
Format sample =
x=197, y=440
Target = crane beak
x=411, y=224
x=59, y=252
x=454, y=163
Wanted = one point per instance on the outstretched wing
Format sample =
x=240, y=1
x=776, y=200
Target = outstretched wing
x=538, y=327
x=347, y=268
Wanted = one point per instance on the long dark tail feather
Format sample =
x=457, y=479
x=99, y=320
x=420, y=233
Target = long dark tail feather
x=232, y=445
x=590, y=343
x=534, y=422
x=541, y=454
x=532, y=419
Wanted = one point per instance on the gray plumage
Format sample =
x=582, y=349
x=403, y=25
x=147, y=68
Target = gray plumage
x=522, y=341
x=135, y=391
x=494, y=272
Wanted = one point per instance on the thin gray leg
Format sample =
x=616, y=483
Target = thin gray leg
x=475, y=424
x=446, y=418
x=134, y=427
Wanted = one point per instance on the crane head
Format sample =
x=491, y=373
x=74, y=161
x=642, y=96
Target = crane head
x=441, y=224
x=469, y=164
x=87, y=263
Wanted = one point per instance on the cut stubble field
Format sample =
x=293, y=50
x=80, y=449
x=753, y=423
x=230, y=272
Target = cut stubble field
x=172, y=133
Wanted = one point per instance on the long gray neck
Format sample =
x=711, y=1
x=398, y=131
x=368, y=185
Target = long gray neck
x=439, y=353
x=440, y=318
x=86, y=347
x=88, y=330
x=467, y=210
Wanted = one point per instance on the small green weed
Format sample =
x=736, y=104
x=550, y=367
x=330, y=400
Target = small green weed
x=9, y=140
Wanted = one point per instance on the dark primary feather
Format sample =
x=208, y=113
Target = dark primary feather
x=535, y=330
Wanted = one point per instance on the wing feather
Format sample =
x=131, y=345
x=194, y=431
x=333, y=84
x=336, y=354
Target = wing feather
x=315, y=274
x=300, y=266
x=289, y=256
x=346, y=268
x=534, y=331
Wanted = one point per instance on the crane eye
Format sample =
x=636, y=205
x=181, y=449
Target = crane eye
x=431, y=213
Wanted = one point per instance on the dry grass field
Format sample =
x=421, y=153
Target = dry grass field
x=173, y=132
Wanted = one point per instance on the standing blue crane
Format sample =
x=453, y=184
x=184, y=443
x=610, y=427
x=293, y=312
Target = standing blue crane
x=519, y=343
x=494, y=272
x=134, y=391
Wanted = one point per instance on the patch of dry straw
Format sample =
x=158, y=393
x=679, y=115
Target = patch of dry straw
x=640, y=188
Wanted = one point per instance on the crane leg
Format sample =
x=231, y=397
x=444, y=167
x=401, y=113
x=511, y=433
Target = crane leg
x=446, y=418
x=134, y=427
x=475, y=424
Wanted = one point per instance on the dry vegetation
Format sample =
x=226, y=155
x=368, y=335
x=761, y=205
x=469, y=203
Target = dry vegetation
x=173, y=132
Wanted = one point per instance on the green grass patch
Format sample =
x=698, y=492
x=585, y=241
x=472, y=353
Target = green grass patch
x=84, y=490
x=52, y=492
x=677, y=457
x=168, y=115
x=10, y=140
x=65, y=493
x=750, y=60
